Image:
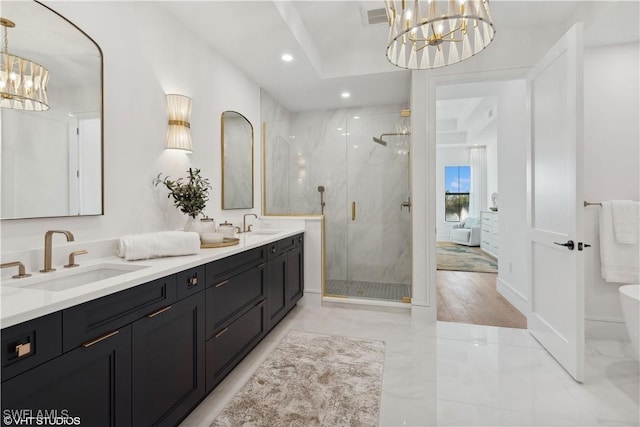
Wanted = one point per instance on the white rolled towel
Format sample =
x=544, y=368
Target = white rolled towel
x=158, y=245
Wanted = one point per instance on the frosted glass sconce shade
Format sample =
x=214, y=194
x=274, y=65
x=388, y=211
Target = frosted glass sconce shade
x=23, y=83
x=425, y=34
x=179, y=132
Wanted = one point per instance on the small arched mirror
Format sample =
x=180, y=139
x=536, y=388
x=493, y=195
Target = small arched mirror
x=237, y=161
x=51, y=155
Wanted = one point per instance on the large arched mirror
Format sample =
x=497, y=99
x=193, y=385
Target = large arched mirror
x=52, y=160
x=237, y=161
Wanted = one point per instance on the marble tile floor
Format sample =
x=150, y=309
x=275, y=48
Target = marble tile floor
x=453, y=374
x=368, y=290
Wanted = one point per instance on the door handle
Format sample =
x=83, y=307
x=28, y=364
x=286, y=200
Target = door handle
x=406, y=204
x=353, y=211
x=569, y=244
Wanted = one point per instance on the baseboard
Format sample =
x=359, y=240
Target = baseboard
x=519, y=301
x=364, y=304
x=605, y=328
x=311, y=298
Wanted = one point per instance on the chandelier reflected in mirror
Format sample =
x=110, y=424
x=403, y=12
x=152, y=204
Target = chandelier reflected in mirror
x=23, y=83
x=431, y=34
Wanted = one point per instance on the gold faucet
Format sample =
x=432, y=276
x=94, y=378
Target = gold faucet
x=22, y=272
x=244, y=222
x=72, y=258
x=48, y=249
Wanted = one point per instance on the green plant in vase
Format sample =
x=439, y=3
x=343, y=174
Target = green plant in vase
x=190, y=194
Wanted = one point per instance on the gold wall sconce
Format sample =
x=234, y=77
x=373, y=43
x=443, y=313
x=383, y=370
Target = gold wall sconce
x=179, y=132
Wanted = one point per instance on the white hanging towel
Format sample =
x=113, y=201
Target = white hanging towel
x=620, y=262
x=626, y=217
x=158, y=245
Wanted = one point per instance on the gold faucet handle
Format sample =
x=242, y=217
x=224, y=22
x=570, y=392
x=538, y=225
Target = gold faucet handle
x=22, y=272
x=72, y=260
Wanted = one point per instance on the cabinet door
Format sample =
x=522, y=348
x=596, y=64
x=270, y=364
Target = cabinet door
x=168, y=363
x=295, y=276
x=277, y=289
x=91, y=385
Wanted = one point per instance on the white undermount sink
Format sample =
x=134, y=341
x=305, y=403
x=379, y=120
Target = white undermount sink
x=264, y=232
x=65, y=279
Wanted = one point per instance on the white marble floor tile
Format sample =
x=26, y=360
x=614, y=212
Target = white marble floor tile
x=454, y=374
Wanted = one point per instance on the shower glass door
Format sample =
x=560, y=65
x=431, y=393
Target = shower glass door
x=376, y=229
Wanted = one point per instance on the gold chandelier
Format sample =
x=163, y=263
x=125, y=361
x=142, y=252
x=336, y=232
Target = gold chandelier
x=430, y=34
x=23, y=83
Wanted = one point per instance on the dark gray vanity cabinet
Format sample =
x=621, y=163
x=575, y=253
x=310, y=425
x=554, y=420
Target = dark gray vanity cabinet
x=236, y=316
x=168, y=362
x=286, y=277
x=295, y=273
x=146, y=356
x=91, y=384
x=132, y=358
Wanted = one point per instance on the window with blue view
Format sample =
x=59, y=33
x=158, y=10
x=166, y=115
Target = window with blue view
x=457, y=181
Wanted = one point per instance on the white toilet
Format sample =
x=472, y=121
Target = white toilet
x=630, y=300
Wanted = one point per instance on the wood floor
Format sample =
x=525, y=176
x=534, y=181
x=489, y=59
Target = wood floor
x=466, y=297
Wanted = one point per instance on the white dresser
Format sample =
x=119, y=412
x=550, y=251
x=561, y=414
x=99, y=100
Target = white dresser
x=489, y=233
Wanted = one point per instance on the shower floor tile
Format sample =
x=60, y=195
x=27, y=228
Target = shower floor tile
x=370, y=290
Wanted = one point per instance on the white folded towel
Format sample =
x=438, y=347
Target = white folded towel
x=620, y=263
x=157, y=245
x=626, y=217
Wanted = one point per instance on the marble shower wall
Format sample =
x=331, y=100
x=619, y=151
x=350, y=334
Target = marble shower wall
x=333, y=149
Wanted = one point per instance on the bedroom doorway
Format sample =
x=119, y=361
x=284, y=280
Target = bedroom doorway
x=468, y=219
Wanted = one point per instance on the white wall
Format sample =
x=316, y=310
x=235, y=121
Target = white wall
x=512, y=203
x=492, y=169
x=147, y=54
x=611, y=166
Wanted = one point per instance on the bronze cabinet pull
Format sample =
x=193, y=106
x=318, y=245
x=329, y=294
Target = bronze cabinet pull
x=155, y=313
x=193, y=281
x=100, y=338
x=23, y=349
x=222, y=332
x=353, y=211
x=222, y=283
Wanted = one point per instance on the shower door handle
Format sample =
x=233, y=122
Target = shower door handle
x=406, y=204
x=353, y=211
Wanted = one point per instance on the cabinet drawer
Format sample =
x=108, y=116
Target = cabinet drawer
x=191, y=281
x=31, y=343
x=226, y=267
x=95, y=318
x=231, y=344
x=285, y=245
x=229, y=297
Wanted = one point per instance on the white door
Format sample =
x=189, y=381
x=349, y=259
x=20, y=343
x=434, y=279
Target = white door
x=555, y=203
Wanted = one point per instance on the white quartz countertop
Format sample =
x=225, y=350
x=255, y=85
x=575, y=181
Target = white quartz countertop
x=21, y=303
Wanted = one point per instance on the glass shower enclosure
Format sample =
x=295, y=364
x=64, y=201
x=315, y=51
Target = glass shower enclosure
x=352, y=166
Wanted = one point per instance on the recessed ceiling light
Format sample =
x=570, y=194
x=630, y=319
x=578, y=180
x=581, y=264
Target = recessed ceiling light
x=345, y=94
x=356, y=117
x=339, y=129
x=287, y=57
